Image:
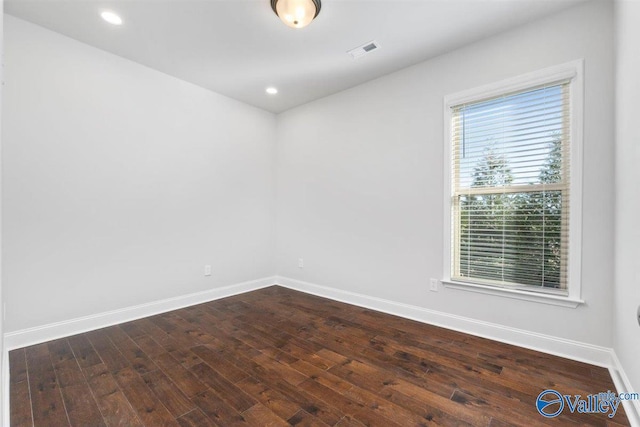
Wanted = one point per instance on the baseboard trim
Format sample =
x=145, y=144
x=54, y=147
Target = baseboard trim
x=44, y=333
x=622, y=383
x=593, y=354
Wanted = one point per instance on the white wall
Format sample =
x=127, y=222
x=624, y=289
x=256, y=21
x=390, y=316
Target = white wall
x=360, y=178
x=120, y=183
x=627, y=278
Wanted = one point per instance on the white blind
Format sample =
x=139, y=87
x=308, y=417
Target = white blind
x=510, y=198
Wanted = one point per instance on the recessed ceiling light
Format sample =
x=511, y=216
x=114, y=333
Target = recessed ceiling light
x=111, y=18
x=272, y=90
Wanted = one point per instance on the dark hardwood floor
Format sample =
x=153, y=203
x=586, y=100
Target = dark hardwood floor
x=280, y=357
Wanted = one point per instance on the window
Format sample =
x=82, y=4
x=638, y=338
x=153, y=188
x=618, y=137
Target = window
x=512, y=150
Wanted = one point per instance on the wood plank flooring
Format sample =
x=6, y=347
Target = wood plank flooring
x=276, y=357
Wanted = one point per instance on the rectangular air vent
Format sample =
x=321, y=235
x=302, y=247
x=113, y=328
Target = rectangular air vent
x=364, y=49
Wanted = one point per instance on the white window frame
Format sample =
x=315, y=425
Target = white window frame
x=574, y=72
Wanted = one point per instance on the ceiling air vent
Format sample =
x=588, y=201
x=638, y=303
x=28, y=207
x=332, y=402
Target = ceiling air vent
x=364, y=49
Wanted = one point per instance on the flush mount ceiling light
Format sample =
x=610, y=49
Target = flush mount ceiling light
x=271, y=90
x=296, y=13
x=111, y=18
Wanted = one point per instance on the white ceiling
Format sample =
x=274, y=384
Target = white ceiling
x=239, y=47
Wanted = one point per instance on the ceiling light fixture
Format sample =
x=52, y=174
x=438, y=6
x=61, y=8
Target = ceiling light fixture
x=271, y=90
x=296, y=13
x=111, y=18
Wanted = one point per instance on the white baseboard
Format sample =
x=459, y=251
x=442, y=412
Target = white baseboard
x=622, y=383
x=39, y=334
x=593, y=354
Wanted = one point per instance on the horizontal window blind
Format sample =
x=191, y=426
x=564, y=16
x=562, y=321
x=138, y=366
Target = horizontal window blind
x=510, y=195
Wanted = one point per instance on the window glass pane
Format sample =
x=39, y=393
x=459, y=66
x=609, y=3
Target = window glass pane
x=510, y=139
x=511, y=189
x=512, y=238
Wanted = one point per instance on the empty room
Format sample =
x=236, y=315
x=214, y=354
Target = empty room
x=320, y=213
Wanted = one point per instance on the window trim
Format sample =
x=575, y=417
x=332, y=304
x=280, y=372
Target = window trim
x=574, y=73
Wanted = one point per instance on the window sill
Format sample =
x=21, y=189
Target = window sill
x=561, y=301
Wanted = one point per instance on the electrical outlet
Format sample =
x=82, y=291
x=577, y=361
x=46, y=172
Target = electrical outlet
x=300, y=262
x=207, y=270
x=433, y=285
